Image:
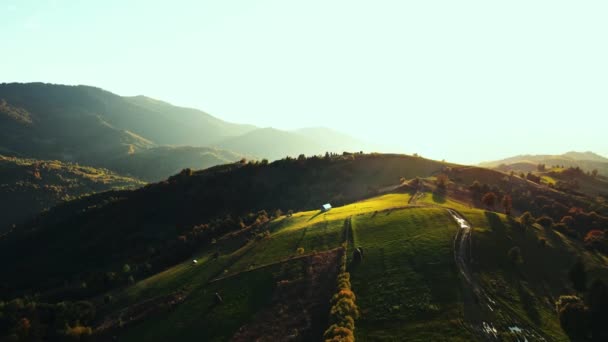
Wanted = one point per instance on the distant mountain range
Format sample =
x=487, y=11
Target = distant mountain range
x=92, y=126
x=588, y=161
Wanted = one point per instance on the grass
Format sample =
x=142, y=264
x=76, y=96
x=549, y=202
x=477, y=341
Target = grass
x=531, y=288
x=313, y=231
x=198, y=318
x=444, y=201
x=408, y=283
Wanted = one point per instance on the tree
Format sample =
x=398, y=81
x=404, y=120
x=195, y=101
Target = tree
x=573, y=316
x=475, y=187
x=596, y=239
x=23, y=328
x=442, y=182
x=545, y=221
x=526, y=219
x=578, y=275
x=489, y=200
x=507, y=204
x=541, y=167
x=568, y=221
x=594, y=173
x=278, y=213
x=598, y=308
x=515, y=255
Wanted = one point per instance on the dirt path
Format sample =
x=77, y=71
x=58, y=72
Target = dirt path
x=481, y=312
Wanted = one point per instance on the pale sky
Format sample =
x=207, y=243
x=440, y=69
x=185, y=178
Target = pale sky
x=464, y=81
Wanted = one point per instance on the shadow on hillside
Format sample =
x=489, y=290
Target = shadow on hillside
x=495, y=222
x=438, y=197
x=315, y=215
x=554, y=239
x=528, y=303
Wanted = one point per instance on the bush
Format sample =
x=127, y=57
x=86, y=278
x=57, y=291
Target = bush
x=78, y=332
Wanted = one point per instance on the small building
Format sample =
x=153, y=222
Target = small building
x=326, y=207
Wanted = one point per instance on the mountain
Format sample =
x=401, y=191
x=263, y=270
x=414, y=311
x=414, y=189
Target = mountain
x=92, y=126
x=157, y=163
x=588, y=161
x=335, y=141
x=585, y=156
x=275, y=144
x=206, y=255
x=28, y=186
x=272, y=144
x=95, y=127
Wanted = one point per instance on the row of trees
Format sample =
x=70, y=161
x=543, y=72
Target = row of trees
x=344, y=310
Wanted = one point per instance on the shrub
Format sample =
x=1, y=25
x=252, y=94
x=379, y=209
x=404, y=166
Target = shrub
x=300, y=251
x=78, y=332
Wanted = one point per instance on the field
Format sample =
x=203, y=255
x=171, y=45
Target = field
x=407, y=284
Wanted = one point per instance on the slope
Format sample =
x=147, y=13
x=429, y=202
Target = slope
x=28, y=186
x=408, y=282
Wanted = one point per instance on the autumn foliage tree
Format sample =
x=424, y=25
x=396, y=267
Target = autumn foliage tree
x=489, y=200
x=507, y=204
x=596, y=239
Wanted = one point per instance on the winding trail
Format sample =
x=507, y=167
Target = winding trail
x=487, y=317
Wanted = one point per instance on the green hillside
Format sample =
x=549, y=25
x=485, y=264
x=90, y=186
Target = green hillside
x=407, y=285
x=28, y=186
x=391, y=260
x=143, y=137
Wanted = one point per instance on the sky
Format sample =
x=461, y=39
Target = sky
x=465, y=81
